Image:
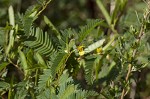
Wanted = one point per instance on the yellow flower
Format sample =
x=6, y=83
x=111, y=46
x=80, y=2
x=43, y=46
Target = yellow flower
x=99, y=50
x=81, y=51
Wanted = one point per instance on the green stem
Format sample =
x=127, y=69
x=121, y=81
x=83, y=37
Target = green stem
x=43, y=8
x=110, y=42
x=36, y=77
x=104, y=11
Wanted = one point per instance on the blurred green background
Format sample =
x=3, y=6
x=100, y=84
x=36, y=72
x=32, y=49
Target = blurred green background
x=72, y=13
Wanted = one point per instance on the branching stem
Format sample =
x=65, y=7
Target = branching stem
x=142, y=31
x=43, y=8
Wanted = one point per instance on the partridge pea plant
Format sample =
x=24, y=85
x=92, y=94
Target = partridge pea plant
x=82, y=63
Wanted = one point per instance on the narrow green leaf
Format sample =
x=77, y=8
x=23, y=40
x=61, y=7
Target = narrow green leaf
x=3, y=65
x=23, y=60
x=40, y=59
x=49, y=23
x=11, y=16
x=11, y=36
x=94, y=46
x=106, y=70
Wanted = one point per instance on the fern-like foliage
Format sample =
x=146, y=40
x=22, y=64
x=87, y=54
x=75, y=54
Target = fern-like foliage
x=85, y=30
x=89, y=70
x=43, y=44
x=59, y=63
x=2, y=36
x=1, y=53
x=68, y=90
x=84, y=94
x=65, y=87
x=45, y=80
x=25, y=21
x=66, y=36
x=4, y=87
x=45, y=87
x=21, y=91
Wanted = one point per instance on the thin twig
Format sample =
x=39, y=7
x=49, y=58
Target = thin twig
x=142, y=31
x=15, y=65
x=43, y=8
x=133, y=55
x=127, y=77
